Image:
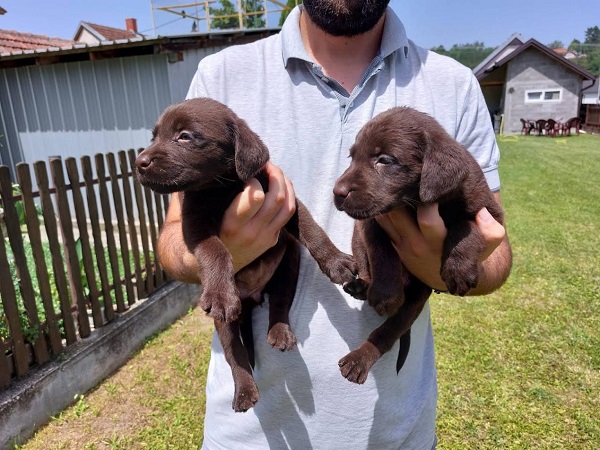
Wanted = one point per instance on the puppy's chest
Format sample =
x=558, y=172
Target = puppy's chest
x=205, y=209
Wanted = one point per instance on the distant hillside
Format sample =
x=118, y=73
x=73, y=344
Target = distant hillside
x=468, y=54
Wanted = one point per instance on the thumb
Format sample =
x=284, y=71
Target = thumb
x=493, y=231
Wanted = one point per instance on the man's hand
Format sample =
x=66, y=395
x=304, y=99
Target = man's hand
x=250, y=226
x=252, y=223
x=419, y=245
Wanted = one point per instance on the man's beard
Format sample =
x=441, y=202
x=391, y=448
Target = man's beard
x=345, y=17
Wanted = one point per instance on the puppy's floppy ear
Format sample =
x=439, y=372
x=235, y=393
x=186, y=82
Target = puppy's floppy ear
x=251, y=153
x=444, y=167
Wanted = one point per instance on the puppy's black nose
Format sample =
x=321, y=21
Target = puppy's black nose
x=143, y=161
x=340, y=193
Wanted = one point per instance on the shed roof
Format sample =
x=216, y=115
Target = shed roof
x=68, y=51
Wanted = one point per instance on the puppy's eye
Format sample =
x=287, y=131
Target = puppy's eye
x=184, y=136
x=385, y=160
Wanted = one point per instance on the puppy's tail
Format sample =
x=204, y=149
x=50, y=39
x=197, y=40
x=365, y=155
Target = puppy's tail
x=246, y=332
x=403, y=350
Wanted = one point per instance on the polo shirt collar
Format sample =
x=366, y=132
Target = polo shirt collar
x=394, y=37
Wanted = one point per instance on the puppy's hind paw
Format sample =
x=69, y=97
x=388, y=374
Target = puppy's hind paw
x=460, y=278
x=245, y=397
x=357, y=288
x=280, y=336
x=355, y=365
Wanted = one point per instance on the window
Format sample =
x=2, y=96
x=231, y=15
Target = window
x=546, y=95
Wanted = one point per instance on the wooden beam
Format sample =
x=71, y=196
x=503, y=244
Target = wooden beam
x=491, y=83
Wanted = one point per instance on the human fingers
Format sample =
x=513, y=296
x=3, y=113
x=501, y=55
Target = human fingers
x=402, y=229
x=493, y=231
x=431, y=226
x=276, y=195
x=243, y=207
x=288, y=207
x=418, y=254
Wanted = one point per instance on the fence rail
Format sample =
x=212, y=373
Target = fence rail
x=75, y=252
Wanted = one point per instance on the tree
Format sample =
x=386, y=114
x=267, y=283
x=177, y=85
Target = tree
x=288, y=7
x=555, y=44
x=589, y=50
x=575, y=45
x=229, y=9
x=224, y=23
x=592, y=35
x=254, y=20
x=468, y=54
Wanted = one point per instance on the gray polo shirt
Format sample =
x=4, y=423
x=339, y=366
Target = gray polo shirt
x=309, y=122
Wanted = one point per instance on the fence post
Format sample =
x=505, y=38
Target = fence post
x=66, y=227
x=41, y=270
x=16, y=242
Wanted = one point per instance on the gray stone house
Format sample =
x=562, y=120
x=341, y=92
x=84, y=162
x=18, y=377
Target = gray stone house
x=526, y=79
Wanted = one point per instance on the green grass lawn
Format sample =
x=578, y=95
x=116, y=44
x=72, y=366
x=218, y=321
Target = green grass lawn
x=520, y=368
x=517, y=369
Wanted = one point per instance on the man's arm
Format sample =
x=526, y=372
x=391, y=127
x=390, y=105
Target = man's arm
x=420, y=246
x=250, y=226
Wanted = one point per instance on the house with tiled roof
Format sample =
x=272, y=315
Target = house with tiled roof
x=569, y=53
x=91, y=33
x=14, y=41
x=87, y=33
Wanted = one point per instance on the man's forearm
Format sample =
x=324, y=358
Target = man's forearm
x=494, y=270
x=174, y=256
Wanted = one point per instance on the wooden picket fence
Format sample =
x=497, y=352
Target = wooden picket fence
x=75, y=253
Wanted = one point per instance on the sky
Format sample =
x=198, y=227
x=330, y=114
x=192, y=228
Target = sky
x=428, y=22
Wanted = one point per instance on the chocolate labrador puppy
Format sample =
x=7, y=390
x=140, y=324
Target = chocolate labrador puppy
x=202, y=148
x=403, y=158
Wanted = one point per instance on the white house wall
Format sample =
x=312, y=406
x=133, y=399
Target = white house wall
x=87, y=37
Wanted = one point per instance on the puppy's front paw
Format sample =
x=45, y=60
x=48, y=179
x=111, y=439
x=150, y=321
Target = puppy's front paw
x=460, y=275
x=280, y=336
x=341, y=270
x=225, y=307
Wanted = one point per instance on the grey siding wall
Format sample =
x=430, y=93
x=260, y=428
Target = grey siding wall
x=88, y=107
x=532, y=70
x=182, y=72
x=80, y=108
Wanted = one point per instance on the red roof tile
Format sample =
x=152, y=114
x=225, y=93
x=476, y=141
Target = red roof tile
x=14, y=41
x=110, y=33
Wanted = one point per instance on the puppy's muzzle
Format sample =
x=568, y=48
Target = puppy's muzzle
x=143, y=162
x=340, y=194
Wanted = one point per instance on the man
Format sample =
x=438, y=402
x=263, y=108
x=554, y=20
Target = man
x=307, y=92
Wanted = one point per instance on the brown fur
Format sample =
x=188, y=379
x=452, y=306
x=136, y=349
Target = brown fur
x=201, y=147
x=403, y=159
